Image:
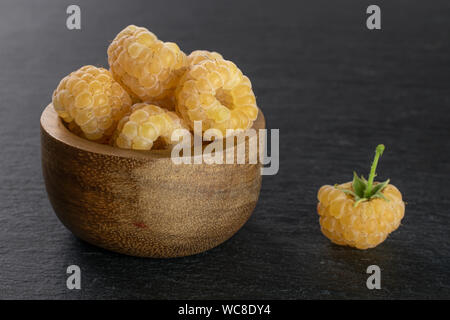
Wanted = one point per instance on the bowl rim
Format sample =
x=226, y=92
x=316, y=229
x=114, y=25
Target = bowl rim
x=53, y=126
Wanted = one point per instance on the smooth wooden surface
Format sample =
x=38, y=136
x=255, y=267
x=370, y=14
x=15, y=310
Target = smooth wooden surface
x=334, y=89
x=141, y=203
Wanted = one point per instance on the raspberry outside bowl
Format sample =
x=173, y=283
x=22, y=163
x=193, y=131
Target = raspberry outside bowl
x=139, y=202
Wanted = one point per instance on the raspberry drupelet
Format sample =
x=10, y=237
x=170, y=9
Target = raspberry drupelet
x=91, y=102
x=145, y=125
x=215, y=91
x=147, y=67
x=361, y=213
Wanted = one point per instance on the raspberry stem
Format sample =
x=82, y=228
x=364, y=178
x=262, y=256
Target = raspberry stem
x=378, y=152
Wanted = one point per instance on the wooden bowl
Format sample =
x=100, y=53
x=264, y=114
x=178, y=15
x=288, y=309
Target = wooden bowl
x=139, y=202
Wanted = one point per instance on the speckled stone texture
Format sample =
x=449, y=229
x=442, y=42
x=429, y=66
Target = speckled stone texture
x=333, y=88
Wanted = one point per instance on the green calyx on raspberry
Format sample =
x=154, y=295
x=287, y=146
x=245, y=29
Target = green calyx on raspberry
x=365, y=190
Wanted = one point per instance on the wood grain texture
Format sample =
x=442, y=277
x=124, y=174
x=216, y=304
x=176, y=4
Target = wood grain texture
x=141, y=203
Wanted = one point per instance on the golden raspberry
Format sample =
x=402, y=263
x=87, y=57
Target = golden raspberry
x=361, y=213
x=216, y=92
x=198, y=56
x=90, y=99
x=147, y=67
x=145, y=125
x=166, y=103
x=364, y=226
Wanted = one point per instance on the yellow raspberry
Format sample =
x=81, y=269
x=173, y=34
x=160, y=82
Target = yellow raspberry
x=145, y=125
x=91, y=100
x=166, y=103
x=361, y=213
x=198, y=56
x=147, y=67
x=215, y=91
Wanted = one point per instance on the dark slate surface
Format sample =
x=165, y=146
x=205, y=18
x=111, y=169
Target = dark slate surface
x=333, y=88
